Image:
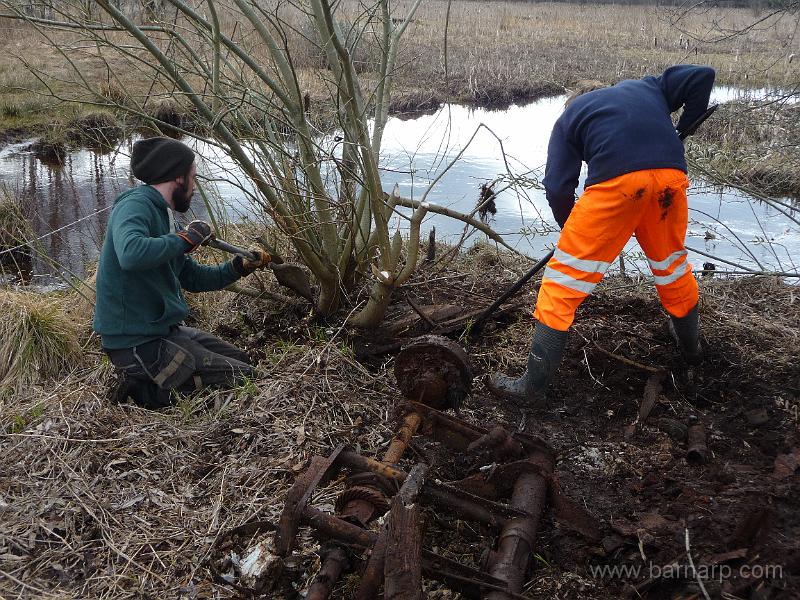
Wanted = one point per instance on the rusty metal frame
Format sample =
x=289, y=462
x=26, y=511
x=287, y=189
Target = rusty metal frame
x=510, y=496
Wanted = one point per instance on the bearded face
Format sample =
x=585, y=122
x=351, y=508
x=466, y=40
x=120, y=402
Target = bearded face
x=184, y=190
x=182, y=196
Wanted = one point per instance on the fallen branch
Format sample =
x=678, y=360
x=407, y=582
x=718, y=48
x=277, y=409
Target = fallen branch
x=722, y=260
x=454, y=214
x=628, y=361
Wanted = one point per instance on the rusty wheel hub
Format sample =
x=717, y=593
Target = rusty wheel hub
x=435, y=371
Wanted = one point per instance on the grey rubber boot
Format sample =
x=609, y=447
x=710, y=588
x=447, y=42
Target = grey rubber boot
x=686, y=333
x=547, y=347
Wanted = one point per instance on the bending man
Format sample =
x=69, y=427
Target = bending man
x=144, y=265
x=636, y=183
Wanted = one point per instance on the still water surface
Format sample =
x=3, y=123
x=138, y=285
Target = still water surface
x=73, y=200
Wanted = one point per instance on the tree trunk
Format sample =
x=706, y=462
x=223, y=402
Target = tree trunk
x=329, y=298
x=372, y=314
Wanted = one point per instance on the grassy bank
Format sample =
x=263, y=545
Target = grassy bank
x=754, y=147
x=100, y=500
x=497, y=53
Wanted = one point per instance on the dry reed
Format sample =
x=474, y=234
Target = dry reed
x=39, y=341
x=107, y=501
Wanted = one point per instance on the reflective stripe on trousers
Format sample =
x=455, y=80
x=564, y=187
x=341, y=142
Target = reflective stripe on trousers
x=651, y=204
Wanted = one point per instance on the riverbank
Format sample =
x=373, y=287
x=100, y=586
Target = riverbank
x=497, y=53
x=43, y=94
x=102, y=500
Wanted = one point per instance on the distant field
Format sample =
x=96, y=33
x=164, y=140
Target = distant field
x=497, y=51
x=514, y=45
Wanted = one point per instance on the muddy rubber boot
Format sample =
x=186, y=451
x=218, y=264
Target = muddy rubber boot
x=686, y=333
x=547, y=347
x=121, y=389
x=143, y=393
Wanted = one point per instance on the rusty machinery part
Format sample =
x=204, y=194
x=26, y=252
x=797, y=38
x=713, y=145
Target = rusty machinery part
x=335, y=559
x=362, y=502
x=225, y=542
x=459, y=502
x=320, y=470
x=435, y=371
x=377, y=481
x=361, y=492
x=462, y=578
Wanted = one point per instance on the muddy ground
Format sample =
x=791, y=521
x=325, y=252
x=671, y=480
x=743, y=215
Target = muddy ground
x=639, y=482
x=100, y=500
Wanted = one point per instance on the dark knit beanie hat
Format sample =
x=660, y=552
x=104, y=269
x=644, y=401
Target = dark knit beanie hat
x=160, y=159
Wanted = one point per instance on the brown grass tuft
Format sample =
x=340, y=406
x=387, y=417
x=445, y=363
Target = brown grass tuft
x=96, y=129
x=39, y=341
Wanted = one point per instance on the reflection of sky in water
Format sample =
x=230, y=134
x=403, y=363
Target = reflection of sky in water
x=415, y=152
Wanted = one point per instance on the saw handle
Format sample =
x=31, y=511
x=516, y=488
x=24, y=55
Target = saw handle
x=230, y=248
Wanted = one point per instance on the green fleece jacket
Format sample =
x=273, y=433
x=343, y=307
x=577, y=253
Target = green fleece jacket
x=142, y=270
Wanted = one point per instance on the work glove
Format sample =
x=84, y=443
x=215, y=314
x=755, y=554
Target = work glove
x=244, y=266
x=195, y=234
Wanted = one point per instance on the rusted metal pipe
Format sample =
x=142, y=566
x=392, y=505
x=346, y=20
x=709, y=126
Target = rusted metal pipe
x=338, y=529
x=697, y=450
x=356, y=462
x=463, y=508
x=516, y=543
x=402, y=438
x=334, y=561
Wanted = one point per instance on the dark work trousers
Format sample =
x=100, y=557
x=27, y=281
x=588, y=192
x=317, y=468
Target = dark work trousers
x=185, y=360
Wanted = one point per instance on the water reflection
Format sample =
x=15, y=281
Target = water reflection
x=68, y=205
x=723, y=222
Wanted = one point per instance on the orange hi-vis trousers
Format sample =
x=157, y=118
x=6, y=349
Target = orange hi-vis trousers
x=651, y=204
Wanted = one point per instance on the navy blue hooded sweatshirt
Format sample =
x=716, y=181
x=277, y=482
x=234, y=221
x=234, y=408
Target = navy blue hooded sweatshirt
x=622, y=129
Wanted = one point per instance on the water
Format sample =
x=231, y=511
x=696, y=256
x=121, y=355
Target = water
x=73, y=200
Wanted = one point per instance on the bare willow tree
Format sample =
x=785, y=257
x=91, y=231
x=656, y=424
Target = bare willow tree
x=234, y=63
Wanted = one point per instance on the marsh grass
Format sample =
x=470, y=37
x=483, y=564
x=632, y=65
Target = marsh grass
x=13, y=225
x=752, y=146
x=38, y=340
x=498, y=53
x=15, y=230
x=95, y=129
